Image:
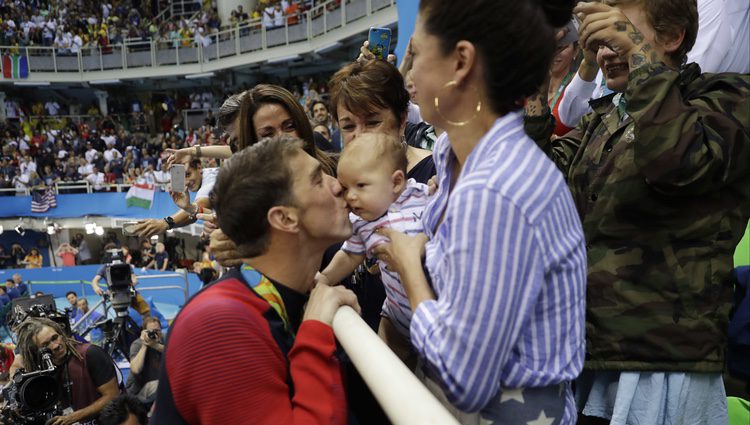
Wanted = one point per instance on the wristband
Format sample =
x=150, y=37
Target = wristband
x=170, y=222
x=197, y=151
x=198, y=210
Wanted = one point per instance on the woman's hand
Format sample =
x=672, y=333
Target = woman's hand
x=365, y=55
x=224, y=250
x=402, y=252
x=604, y=25
x=182, y=200
x=178, y=156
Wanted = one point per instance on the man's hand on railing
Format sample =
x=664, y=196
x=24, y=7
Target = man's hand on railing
x=325, y=301
x=150, y=227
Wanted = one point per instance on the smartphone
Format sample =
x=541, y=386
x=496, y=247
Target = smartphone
x=177, y=173
x=571, y=34
x=128, y=228
x=379, y=42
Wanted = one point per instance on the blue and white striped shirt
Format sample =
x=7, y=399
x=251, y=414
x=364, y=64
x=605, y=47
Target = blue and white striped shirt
x=508, y=267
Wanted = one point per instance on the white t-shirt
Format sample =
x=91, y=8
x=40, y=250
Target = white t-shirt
x=96, y=180
x=52, y=107
x=207, y=183
x=111, y=154
x=91, y=155
x=85, y=170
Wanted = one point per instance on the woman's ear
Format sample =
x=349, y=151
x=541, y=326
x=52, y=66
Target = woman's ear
x=465, y=55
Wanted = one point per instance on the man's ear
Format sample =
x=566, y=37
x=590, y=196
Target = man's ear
x=672, y=42
x=399, y=181
x=283, y=218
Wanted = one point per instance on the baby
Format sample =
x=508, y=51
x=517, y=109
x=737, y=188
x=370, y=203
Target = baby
x=372, y=171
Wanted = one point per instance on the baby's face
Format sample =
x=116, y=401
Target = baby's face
x=368, y=186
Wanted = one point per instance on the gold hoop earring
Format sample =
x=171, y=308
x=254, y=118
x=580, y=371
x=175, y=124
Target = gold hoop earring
x=477, y=110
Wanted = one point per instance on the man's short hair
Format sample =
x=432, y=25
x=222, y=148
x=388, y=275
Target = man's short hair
x=248, y=185
x=668, y=18
x=150, y=319
x=117, y=410
x=71, y=292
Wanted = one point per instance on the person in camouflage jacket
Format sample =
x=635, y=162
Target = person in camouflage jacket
x=661, y=179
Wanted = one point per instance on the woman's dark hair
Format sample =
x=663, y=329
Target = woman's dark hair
x=264, y=94
x=363, y=87
x=514, y=39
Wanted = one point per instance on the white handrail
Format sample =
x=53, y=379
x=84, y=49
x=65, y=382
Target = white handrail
x=388, y=378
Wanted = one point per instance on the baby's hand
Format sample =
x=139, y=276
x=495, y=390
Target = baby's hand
x=432, y=185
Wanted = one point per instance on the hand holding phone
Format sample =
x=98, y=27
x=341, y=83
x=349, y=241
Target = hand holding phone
x=129, y=228
x=379, y=40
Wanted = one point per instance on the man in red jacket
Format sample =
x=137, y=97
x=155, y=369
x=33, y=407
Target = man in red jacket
x=243, y=351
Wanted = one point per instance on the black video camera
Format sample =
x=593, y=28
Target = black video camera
x=40, y=306
x=120, y=287
x=153, y=334
x=33, y=398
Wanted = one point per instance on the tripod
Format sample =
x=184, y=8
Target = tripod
x=119, y=334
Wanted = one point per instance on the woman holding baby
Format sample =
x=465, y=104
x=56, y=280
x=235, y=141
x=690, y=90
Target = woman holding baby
x=498, y=305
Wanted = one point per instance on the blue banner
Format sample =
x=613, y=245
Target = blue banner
x=407, y=17
x=95, y=204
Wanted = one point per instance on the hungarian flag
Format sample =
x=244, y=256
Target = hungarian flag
x=15, y=66
x=140, y=195
x=42, y=200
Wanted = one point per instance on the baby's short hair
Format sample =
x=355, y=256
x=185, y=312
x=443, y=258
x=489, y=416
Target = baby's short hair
x=378, y=146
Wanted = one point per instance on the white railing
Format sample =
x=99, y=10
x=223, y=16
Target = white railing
x=390, y=381
x=248, y=36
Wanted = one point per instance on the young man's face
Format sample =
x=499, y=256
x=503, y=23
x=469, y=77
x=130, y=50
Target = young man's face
x=193, y=178
x=72, y=299
x=320, y=113
x=319, y=199
x=49, y=338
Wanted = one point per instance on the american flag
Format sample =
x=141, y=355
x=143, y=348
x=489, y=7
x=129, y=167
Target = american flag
x=42, y=200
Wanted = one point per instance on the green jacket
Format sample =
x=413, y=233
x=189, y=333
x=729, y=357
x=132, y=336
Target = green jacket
x=664, y=197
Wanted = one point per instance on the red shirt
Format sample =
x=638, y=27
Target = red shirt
x=223, y=365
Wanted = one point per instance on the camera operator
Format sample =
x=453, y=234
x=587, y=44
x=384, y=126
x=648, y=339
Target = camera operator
x=197, y=179
x=85, y=374
x=145, y=361
x=137, y=302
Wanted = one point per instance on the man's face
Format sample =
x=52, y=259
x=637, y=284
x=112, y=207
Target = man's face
x=154, y=326
x=49, y=338
x=193, y=178
x=323, y=214
x=83, y=305
x=72, y=299
x=17, y=279
x=320, y=113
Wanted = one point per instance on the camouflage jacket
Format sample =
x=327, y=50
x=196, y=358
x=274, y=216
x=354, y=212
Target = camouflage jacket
x=664, y=197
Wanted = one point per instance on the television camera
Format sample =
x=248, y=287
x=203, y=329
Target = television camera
x=32, y=398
